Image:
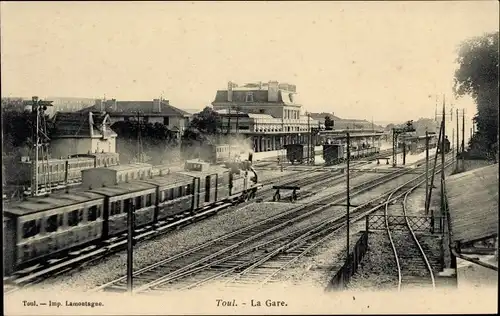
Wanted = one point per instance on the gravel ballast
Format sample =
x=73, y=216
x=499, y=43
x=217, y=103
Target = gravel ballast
x=152, y=251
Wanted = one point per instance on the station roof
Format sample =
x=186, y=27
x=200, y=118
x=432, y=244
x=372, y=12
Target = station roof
x=473, y=204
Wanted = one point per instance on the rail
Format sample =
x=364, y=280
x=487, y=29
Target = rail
x=427, y=263
x=284, y=250
x=408, y=225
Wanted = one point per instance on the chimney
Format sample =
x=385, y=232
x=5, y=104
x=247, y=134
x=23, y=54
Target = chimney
x=156, y=105
x=111, y=104
x=229, y=91
x=99, y=105
x=272, y=91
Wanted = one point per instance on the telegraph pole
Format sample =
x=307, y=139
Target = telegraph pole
x=440, y=138
x=309, y=136
x=426, y=169
x=463, y=138
x=396, y=131
x=348, y=191
x=40, y=142
x=442, y=159
x=139, y=138
x=130, y=247
x=458, y=138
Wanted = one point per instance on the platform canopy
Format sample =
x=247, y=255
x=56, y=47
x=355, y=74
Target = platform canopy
x=473, y=204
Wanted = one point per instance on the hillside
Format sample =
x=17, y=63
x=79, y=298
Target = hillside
x=420, y=126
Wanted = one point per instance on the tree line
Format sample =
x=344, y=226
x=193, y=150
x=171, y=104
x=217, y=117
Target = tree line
x=477, y=76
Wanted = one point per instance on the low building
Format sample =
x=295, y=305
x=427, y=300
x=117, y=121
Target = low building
x=81, y=133
x=265, y=112
x=472, y=199
x=154, y=111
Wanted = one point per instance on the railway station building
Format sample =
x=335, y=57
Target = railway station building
x=266, y=113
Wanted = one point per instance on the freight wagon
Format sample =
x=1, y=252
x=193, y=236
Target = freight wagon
x=299, y=153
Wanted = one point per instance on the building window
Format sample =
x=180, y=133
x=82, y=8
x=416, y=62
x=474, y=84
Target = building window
x=166, y=120
x=262, y=111
x=249, y=97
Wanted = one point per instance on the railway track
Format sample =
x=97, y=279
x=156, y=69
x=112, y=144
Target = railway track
x=89, y=254
x=260, y=270
x=252, y=237
x=34, y=274
x=413, y=266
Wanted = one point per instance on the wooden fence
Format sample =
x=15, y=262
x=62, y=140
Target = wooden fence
x=343, y=276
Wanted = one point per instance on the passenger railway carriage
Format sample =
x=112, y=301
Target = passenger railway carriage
x=43, y=227
x=59, y=172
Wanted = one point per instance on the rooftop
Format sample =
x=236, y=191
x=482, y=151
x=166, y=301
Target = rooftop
x=39, y=204
x=81, y=124
x=473, y=204
x=124, y=167
x=155, y=107
x=124, y=188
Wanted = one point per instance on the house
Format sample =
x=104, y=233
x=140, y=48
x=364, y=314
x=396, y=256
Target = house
x=82, y=132
x=154, y=111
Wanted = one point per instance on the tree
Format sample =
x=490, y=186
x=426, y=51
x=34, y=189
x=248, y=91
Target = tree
x=206, y=122
x=16, y=129
x=204, y=128
x=157, y=140
x=328, y=123
x=477, y=76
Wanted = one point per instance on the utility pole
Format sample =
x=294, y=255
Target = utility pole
x=440, y=139
x=40, y=141
x=130, y=246
x=396, y=131
x=373, y=132
x=463, y=139
x=348, y=192
x=229, y=131
x=426, y=169
x=442, y=160
x=139, y=139
x=309, y=136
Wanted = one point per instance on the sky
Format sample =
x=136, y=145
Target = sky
x=380, y=60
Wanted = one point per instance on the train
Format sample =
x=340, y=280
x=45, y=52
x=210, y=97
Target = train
x=213, y=153
x=299, y=153
x=337, y=153
x=41, y=228
x=57, y=172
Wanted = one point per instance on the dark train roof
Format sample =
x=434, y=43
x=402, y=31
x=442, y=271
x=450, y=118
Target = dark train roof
x=39, y=204
x=98, y=154
x=123, y=188
x=170, y=179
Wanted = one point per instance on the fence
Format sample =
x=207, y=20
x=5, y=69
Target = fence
x=343, y=276
x=431, y=223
